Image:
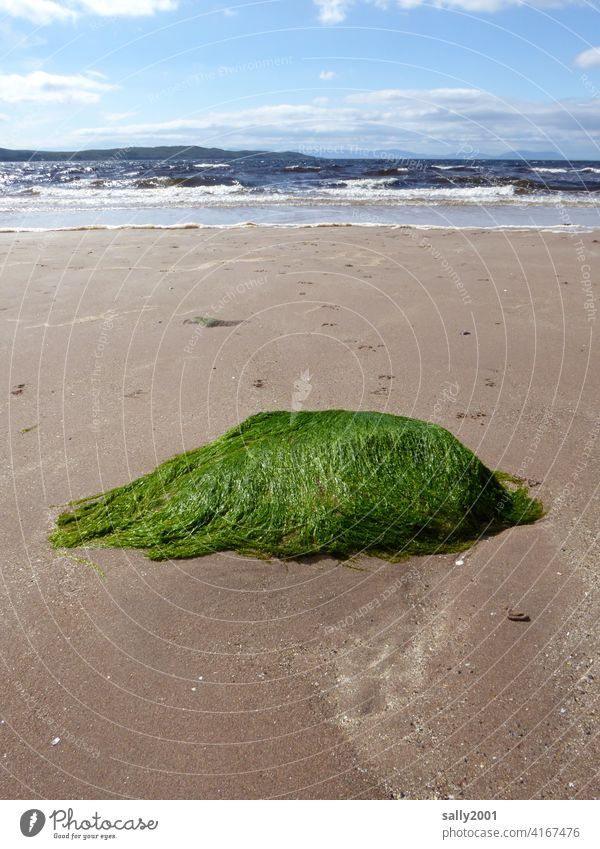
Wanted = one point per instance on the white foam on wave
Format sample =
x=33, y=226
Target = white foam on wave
x=368, y=183
x=366, y=190
x=361, y=192
x=454, y=167
x=392, y=170
x=587, y=170
x=205, y=165
x=87, y=197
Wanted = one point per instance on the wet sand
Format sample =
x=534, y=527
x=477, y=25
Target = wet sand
x=226, y=677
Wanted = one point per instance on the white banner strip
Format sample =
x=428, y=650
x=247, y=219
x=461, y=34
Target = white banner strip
x=291, y=824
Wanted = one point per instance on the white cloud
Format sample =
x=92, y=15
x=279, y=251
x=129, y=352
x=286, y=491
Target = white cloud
x=50, y=88
x=429, y=120
x=332, y=11
x=327, y=75
x=589, y=58
x=440, y=97
x=132, y=8
x=336, y=11
x=38, y=11
x=48, y=11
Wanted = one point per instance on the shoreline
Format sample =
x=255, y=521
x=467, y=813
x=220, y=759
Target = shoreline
x=514, y=228
x=458, y=215
x=229, y=677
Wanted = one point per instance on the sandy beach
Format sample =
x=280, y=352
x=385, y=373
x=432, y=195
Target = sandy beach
x=227, y=677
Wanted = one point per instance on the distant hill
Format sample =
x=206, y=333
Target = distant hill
x=211, y=153
x=141, y=153
x=525, y=155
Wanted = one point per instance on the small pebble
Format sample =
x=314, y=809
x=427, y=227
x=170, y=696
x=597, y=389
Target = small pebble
x=55, y=742
x=459, y=562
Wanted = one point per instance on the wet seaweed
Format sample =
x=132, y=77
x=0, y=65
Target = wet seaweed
x=286, y=484
x=208, y=321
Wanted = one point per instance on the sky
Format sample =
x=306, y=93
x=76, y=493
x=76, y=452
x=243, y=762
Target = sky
x=326, y=77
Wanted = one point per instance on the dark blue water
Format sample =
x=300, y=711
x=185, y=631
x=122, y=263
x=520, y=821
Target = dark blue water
x=295, y=191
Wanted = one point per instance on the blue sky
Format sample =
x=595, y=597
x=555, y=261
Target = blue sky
x=325, y=76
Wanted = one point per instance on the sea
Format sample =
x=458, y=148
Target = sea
x=267, y=190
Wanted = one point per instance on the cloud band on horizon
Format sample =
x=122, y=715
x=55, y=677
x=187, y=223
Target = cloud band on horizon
x=385, y=119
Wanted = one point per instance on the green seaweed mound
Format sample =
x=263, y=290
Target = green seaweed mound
x=290, y=484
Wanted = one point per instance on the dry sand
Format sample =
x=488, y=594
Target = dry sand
x=230, y=677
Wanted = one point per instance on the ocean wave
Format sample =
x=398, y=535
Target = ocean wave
x=525, y=186
x=70, y=175
x=236, y=196
x=193, y=182
x=521, y=185
x=554, y=170
x=390, y=190
x=302, y=169
x=198, y=191
x=388, y=172
x=454, y=167
x=469, y=194
x=374, y=183
x=207, y=165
